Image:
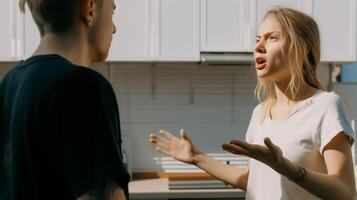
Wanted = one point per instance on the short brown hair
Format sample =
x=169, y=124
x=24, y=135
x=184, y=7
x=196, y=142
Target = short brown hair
x=52, y=15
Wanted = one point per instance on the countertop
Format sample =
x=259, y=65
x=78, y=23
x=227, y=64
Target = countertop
x=159, y=188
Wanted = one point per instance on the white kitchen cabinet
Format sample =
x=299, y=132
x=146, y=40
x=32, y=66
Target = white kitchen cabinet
x=336, y=21
x=337, y=24
x=156, y=30
x=31, y=35
x=231, y=25
x=7, y=33
x=227, y=25
x=132, y=42
x=176, y=31
x=151, y=30
x=264, y=6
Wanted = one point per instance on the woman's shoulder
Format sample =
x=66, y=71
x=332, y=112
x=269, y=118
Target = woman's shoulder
x=326, y=98
x=257, y=110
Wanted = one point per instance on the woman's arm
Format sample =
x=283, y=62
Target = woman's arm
x=182, y=149
x=338, y=183
x=235, y=176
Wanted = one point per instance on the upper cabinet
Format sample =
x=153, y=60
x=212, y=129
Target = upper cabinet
x=336, y=21
x=132, y=41
x=31, y=35
x=231, y=25
x=156, y=30
x=227, y=25
x=263, y=6
x=337, y=24
x=176, y=31
x=7, y=33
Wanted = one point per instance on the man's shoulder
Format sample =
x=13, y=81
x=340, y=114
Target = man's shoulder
x=86, y=76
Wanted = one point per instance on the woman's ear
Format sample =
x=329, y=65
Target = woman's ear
x=88, y=11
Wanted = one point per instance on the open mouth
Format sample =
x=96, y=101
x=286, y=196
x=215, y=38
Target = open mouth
x=260, y=62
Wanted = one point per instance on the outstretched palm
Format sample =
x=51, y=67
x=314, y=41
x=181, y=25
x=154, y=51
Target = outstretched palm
x=269, y=154
x=180, y=149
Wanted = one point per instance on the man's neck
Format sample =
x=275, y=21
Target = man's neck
x=72, y=47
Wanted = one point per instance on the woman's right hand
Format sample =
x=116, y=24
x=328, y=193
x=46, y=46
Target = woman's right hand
x=180, y=149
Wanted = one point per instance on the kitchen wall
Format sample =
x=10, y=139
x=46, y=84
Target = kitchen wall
x=212, y=103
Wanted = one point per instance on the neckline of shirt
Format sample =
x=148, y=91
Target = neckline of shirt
x=36, y=58
x=303, y=104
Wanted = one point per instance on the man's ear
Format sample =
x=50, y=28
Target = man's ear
x=88, y=11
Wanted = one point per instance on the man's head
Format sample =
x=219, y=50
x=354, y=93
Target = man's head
x=66, y=16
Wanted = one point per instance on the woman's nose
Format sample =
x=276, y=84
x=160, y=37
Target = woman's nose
x=259, y=47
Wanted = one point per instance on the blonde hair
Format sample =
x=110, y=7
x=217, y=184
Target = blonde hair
x=301, y=52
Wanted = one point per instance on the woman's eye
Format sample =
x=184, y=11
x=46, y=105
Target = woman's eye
x=274, y=38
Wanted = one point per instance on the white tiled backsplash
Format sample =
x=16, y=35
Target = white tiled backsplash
x=212, y=103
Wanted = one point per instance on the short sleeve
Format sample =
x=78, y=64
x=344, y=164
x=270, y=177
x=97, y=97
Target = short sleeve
x=335, y=120
x=249, y=137
x=89, y=124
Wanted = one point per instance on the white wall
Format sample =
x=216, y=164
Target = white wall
x=212, y=103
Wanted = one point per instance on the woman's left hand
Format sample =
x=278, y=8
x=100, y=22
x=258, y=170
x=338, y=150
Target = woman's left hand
x=269, y=154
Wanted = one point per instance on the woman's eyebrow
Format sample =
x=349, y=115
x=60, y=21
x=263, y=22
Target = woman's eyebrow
x=268, y=33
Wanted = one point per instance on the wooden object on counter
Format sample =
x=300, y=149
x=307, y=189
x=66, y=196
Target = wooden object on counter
x=158, y=188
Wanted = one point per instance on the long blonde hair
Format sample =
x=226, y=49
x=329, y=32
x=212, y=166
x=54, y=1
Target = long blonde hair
x=301, y=52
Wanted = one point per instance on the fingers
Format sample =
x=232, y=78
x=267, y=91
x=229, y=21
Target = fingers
x=242, y=144
x=166, y=134
x=270, y=145
x=235, y=149
x=273, y=148
x=153, y=138
x=161, y=136
x=159, y=143
x=184, y=136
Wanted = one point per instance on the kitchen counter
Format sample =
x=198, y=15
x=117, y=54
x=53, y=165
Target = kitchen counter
x=159, y=189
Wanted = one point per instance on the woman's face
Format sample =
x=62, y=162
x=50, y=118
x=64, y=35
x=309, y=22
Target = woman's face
x=269, y=61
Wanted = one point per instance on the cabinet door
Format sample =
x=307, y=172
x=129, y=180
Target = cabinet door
x=337, y=24
x=7, y=33
x=132, y=40
x=264, y=6
x=226, y=25
x=31, y=38
x=176, y=28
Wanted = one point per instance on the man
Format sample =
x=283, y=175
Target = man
x=59, y=121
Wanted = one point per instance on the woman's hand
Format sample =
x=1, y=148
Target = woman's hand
x=180, y=149
x=270, y=154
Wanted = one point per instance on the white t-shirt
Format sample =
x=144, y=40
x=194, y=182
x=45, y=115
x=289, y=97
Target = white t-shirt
x=302, y=137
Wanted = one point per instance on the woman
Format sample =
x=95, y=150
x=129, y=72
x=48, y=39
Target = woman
x=299, y=137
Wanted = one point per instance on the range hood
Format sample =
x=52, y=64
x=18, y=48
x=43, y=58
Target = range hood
x=217, y=58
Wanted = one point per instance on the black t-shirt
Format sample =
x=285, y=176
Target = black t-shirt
x=59, y=131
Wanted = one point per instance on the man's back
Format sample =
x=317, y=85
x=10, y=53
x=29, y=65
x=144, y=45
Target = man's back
x=59, y=131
